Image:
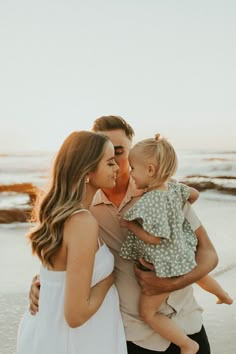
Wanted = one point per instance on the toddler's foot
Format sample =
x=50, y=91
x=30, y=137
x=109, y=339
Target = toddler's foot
x=225, y=299
x=191, y=347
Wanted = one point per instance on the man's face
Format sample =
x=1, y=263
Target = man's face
x=122, y=145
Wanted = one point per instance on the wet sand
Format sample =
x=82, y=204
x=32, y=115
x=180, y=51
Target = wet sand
x=17, y=268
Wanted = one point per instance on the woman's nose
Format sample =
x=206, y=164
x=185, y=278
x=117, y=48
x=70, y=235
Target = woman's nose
x=116, y=167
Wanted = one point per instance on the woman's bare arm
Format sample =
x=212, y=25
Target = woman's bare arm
x=81, y=301
x=81, y=239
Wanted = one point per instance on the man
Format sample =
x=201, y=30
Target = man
x=107, y=206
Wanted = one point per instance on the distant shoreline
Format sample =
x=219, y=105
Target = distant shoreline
x=22, y=213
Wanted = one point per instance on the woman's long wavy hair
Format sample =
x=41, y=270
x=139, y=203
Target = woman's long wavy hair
x=79, y=155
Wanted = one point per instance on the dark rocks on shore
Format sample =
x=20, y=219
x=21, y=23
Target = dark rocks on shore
x=16, y=214
x=8, y=216
x=202, y=183
x=27, y=188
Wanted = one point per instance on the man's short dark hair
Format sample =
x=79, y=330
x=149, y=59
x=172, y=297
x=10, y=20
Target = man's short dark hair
x=106, y=123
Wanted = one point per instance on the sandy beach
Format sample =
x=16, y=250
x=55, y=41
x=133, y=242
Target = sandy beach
x=17, y=267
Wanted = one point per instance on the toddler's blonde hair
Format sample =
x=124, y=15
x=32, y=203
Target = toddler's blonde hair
x=160, y=151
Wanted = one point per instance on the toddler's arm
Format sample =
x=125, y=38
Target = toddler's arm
x=140, y=232
x=194, y=194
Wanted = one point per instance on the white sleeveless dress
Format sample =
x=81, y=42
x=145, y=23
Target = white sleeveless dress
x=48, y=333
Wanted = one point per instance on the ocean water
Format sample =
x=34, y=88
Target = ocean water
x=218, y=167
x=207, y=163
x=23, y=167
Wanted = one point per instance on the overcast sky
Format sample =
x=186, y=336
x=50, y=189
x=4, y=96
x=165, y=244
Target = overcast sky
x=166, y=66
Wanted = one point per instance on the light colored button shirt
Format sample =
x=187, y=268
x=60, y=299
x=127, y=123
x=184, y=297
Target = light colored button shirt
x=181, y=305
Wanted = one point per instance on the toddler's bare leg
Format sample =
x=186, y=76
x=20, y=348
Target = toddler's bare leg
x=163, y=325
x=212, y=286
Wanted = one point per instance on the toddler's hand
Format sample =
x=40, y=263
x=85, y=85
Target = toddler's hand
x=123, y=222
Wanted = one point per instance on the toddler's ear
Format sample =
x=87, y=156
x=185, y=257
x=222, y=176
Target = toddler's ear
x=151, y=170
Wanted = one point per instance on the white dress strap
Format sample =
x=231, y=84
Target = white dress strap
x=78, y=211
x=100, y=242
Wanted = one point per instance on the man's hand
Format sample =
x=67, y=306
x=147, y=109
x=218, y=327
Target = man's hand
x=150, y=283
x=34, y=295
x=122, y=221
x=206, y=259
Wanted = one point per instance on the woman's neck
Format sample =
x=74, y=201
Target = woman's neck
x=88, y=198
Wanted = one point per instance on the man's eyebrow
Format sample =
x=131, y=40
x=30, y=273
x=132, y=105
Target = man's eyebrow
x=116, y=147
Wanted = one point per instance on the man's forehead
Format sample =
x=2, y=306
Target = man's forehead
x=118, y=144
x=118, y=138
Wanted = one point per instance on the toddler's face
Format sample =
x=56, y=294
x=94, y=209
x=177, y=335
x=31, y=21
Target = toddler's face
x=139, y=170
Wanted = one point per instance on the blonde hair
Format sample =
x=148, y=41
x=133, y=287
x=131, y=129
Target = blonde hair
x=79, y=154
x=162, y=152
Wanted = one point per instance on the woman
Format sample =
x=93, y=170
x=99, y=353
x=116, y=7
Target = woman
x=79, y=306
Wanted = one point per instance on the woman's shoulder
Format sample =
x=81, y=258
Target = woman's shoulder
x=82, y=213
x=81, y=232
x=81, y=220
x=82, y=216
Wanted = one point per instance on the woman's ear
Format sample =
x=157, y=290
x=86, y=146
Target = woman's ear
x=87, y=179
x=151, y=170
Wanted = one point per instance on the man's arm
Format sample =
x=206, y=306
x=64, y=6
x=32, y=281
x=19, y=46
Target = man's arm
x=34, y=295
x=206, y=259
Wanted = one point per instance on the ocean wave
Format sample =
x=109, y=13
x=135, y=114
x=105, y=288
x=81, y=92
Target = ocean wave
x=15, y=178
x=24, y=188
x=200, y=152
x=218, y=197
x=207, y=163
x=233, y=152
x=16, y=225
x=224, y=269
x=27, y=153
x=217, y=159
x=10, y=200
